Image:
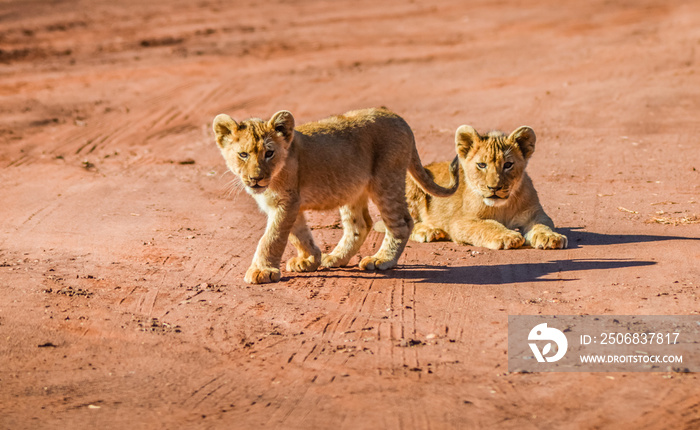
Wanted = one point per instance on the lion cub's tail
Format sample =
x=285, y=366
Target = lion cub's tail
x=425, y=180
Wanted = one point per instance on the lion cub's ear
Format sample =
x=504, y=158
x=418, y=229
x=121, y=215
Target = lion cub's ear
x=224, y=127
x=283, y=124
x=525, y=138
x=465, y=138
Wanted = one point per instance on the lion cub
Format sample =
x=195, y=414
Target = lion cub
x=338, y=162
x=495, y=196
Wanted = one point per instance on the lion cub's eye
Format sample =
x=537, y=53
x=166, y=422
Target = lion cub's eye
x=243, y=155
x=481, y=165
x=507, y=165
x=269, y=154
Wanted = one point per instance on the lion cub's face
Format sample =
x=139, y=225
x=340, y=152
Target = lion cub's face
x=494, y=164
x=255, y=150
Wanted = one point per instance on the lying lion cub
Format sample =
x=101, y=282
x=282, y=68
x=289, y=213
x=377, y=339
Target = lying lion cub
x=495, y=196
x=340, y=161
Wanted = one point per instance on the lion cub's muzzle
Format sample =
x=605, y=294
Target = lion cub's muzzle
x=497, y=192
x=255, y=184
x=495, y=196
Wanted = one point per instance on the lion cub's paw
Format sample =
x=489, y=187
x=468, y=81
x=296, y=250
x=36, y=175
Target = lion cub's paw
x=375, y=263
x=548, y=240
x=507, y=240
x=330, y=260
x=302, y=264
x=425, y=233
x=264, y=275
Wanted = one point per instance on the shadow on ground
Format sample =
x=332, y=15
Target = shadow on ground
x=486, y=275
x=515, y=273
x=578, y=237
x=518, y=272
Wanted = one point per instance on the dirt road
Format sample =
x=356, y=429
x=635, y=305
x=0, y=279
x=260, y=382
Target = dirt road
x=123, y=242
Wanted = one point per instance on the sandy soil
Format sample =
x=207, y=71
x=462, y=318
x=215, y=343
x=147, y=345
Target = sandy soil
x=123, y=244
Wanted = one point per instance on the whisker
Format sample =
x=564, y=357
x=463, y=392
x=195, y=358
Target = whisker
x=234, y=186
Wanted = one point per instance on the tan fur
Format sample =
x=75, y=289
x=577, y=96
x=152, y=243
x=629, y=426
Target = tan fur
x=493, y=199
x=339, y=162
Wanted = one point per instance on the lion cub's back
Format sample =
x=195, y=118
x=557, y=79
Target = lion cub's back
x=339, y=155
x=363, y=123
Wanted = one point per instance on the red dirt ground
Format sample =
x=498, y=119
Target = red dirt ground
x=123, y=247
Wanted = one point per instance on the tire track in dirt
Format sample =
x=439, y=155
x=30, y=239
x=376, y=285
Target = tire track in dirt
x=38, y=216
x=317, y=347
x=226, y=268
x=410, y=303
x=210, y=392
x=19, y=161
x=285, y=408
x=149, y=119
x=147, y=302
x=359, y=332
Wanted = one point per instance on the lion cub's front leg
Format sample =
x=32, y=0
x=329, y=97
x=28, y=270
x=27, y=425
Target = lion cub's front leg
x=487, y=233
x=266, y=262
x=539, y=232
x=541, y=236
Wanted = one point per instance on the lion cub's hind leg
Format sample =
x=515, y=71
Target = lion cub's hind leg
x=391, y=201
x=356, y=224
x=423, y=232
x=308, y=254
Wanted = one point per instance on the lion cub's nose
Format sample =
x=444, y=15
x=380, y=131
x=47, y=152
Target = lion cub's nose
x=494, y=188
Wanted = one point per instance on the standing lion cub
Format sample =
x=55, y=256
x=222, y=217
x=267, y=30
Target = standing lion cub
x=338, y=162
x=495, y=196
